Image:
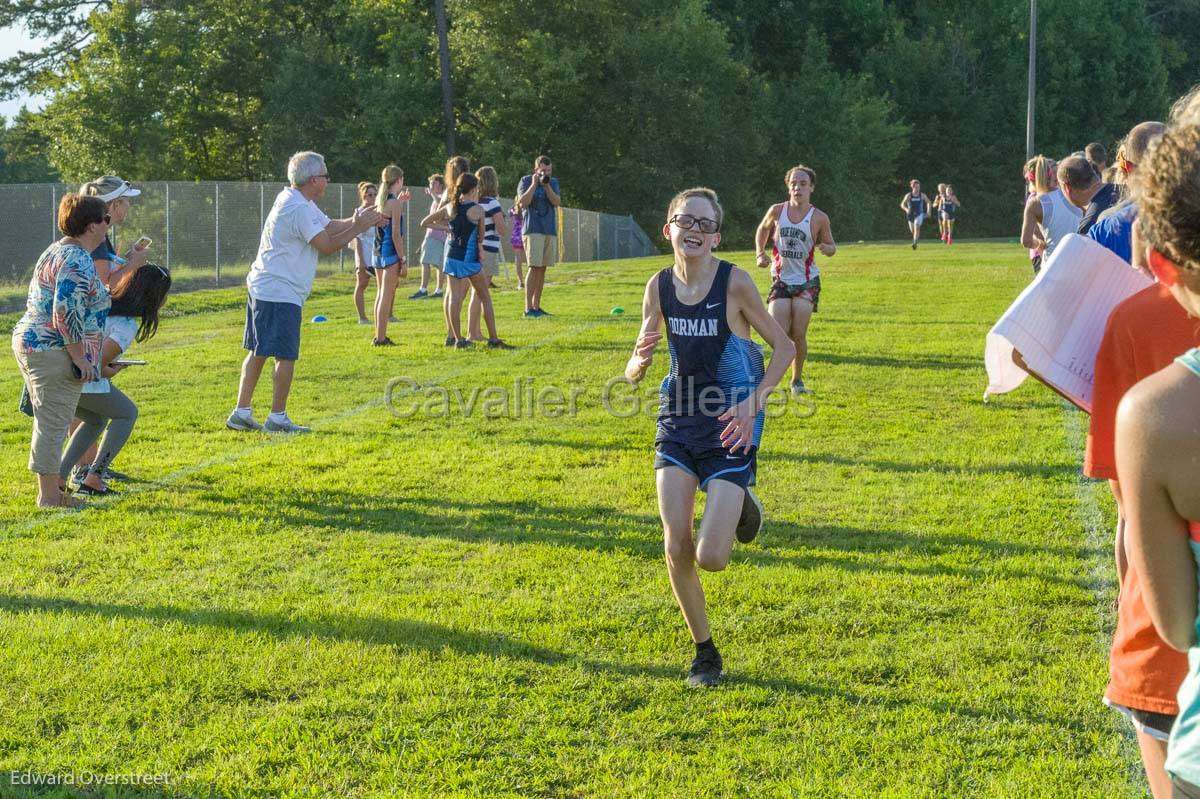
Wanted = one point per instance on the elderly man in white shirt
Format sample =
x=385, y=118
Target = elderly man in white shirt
x=281, y=279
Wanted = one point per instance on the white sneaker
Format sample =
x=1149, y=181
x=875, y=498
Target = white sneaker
x=286, y=426
x=243, y=422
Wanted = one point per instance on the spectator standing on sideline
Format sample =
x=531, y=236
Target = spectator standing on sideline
x=1049, y=215
x=363, y=244
x=1097, y=156
x=433, y=246
x=1158, y=441
x=1079, y=181
x=1114, y=229
x=280, y=280
x=57, y=341
x=493, y=230
x=116, y=194
x=539, y=197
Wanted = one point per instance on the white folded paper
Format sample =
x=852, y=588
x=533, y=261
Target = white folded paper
x=1057, y=322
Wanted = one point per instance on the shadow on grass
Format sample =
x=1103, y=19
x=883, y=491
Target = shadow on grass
x=418, y=636
x=913, y=362
x=1045, y=470
x=601, y=529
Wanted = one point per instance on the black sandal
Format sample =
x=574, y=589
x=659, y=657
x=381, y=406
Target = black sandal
x=88, y=491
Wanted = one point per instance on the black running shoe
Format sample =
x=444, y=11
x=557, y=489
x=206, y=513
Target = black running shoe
x=499, y=344
x=751, y=519
x=706, y=669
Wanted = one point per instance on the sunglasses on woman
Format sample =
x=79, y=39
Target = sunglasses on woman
x=689, y=222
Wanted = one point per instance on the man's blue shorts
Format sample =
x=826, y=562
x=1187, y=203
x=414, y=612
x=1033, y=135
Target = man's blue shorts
x=708, y=464
x=272, y=329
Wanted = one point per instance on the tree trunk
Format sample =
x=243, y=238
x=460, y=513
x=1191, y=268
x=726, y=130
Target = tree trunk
x=444, y=58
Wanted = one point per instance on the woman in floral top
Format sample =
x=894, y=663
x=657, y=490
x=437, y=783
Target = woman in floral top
x=57, y=341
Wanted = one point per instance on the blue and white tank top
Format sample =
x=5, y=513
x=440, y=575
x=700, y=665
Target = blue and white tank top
x=711, y=368
x=793, y=249
x=385, y=248
x=916, y=204
x=463, y=235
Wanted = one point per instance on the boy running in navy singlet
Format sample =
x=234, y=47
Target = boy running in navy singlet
x=710, y=415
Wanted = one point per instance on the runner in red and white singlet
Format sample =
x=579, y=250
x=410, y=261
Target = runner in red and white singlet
x=797, y=230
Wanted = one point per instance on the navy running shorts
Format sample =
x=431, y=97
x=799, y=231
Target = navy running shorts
x=707, y=464
x=272, y=329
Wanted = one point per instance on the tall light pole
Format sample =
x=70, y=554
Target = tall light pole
x=1032, y=79
x=444, y=58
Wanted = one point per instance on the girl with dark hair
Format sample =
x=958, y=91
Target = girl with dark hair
x=464, y=256
x=136, y=302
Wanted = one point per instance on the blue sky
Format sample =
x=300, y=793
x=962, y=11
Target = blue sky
x=11, y=41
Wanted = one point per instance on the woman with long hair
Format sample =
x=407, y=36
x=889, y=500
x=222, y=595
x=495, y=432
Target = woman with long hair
x=103, y=408
x=388, y=258
x=1049, y=215
x=465, y=218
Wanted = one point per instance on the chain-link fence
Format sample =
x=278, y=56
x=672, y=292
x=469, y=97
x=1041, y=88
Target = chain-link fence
x=208, y=233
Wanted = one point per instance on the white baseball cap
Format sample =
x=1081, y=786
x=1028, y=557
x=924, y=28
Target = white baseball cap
x=116, y=186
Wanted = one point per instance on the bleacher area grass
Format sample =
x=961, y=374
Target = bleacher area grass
x=479, y=607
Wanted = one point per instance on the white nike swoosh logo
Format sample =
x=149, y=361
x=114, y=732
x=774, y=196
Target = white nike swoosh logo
x=733, y=457
x=713, y=305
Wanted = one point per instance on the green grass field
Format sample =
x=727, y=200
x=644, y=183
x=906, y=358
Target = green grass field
x=478, y=607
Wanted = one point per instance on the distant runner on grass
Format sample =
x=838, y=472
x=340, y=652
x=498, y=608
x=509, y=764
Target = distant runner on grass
x=915, y=206
x=710, y=419
x=796, y=229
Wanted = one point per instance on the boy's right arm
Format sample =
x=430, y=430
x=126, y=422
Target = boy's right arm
x=649, y=336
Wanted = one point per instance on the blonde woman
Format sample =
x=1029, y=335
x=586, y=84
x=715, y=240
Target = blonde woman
x=388, y=257
x=116, y=194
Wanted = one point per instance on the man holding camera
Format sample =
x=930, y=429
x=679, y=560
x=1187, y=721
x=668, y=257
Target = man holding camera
x=538, y=198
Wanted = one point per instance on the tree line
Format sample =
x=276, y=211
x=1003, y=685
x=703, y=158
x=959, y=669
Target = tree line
x=633, y=99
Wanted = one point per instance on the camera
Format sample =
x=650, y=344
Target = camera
x=544, y=179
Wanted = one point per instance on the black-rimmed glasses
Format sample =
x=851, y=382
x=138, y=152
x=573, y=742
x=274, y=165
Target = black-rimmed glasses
x=689, y=222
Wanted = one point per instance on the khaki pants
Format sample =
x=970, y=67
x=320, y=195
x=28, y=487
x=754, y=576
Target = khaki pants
x=540, y=250
x=54, y=391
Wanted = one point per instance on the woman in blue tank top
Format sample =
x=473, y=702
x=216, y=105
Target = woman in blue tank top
x=710, y=414
x=1158, y=440
x=464, y=246
x=388, y=256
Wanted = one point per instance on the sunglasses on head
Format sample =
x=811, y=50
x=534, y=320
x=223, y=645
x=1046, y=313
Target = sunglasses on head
x=689, y=222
